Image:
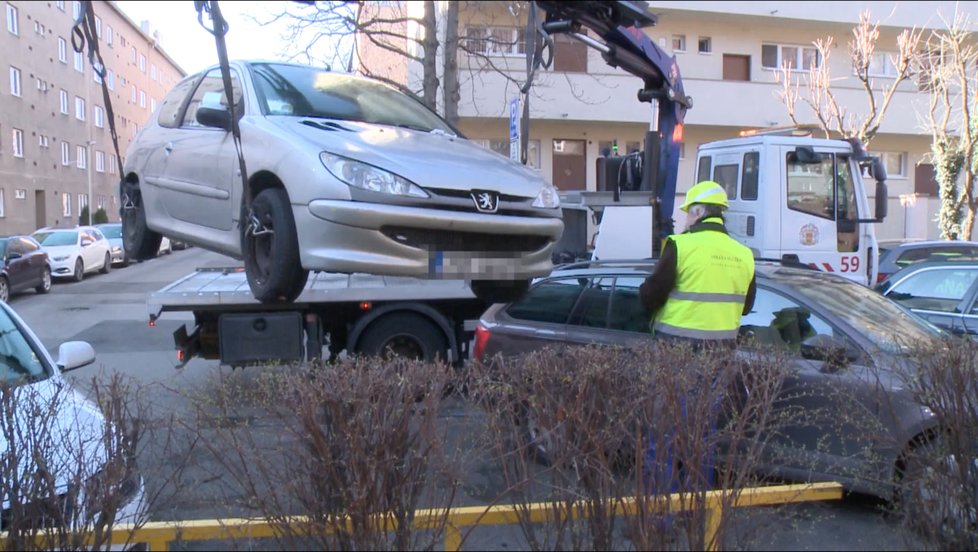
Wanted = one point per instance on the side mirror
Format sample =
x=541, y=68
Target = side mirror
x=75, y=354
x=830, y=349
x=807, y=156
x=881, y=203
x=214, y=117
x=13, y=256
x=86, y=243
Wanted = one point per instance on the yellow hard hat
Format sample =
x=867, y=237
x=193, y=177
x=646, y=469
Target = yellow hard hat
x=707, y=192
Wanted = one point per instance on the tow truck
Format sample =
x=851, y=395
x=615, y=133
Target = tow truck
x=794, y=198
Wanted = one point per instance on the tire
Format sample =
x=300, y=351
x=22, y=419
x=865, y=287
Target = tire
x=538, y=439
x=79, y=273
x=45, y=285
x=404, y=334
x=271, y=255
x=927, y=490
x=499, y=291
x=4, y=289
x=138, y=240
x=107, y=266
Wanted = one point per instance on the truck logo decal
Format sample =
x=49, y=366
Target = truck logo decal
x=808, y=235
x=485, y=202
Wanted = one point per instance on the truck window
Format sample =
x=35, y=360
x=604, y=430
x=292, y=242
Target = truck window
x=703, y=170
x=811, y=186
x=847, y=210
x=726, y=176
x=748, y=182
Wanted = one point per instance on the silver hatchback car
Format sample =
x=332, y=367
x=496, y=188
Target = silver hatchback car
x=346, y=175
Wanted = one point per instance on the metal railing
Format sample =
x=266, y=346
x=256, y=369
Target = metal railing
x=158, y=535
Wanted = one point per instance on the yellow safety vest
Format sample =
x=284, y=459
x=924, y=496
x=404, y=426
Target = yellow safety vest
x=713, y=274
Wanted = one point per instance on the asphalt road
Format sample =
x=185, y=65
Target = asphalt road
x=109, y=311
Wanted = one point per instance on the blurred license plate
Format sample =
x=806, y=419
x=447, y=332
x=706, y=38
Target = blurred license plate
x=471, y=265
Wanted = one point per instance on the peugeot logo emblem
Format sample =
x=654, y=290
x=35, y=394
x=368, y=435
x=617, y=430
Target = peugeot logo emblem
x=485, y=202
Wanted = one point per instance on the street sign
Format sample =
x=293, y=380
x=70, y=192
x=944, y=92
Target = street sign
x=514, y=129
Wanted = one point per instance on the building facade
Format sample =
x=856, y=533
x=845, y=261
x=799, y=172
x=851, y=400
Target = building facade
x=56, y=152
x=728, y=53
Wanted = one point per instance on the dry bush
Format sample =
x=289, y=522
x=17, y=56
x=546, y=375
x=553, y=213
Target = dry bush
x=938, y=494
x=611, y=423
x=352, y=445
x=65, y=470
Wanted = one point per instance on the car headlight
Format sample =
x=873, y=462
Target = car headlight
x=547, y=198
x=61, y=258
x=117, y=249
x=367, y=177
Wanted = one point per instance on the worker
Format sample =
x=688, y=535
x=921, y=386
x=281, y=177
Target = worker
x=704, y=280
x=700, y=288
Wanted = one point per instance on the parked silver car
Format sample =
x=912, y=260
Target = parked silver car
x=345, y=175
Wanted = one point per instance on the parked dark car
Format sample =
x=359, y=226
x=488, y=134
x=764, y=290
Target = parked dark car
x=896, y=257
x=943, y=292
x=829, y=316
x=25, y=266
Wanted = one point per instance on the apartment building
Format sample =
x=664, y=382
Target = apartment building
x=56, y=153
x=728, y=53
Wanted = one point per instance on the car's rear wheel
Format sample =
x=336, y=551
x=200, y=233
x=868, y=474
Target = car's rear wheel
x=405, y=335
x=139, y=241
x=107, y=266
x=4, y=289
x=79, y=273
x=271, y=249
x=45, y=285
x=499, y=291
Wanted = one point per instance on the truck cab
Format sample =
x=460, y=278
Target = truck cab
x=800, y=198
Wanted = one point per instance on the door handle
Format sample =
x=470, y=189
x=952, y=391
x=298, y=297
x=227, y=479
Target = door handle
x=168, y=148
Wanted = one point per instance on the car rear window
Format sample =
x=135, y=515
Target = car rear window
x=939, y=289
x=935, y=254
x=549, y=301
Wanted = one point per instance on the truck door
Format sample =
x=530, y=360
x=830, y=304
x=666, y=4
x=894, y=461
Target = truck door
x=821, y=218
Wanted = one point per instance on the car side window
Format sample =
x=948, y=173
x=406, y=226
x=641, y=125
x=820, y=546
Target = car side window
x=17, y=359
x=210, y=93
x=29, y=245
x=940, y=289
x=97, y=235
x=549, y=301
x=627, y=313
x=781, y=322
x=14, y=247
x=592, y=309
x=169, y=116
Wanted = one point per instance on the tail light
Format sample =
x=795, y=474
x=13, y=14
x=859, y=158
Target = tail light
x=880, y=277
x=481, y=338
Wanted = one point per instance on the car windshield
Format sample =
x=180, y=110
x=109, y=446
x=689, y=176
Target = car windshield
x=51, y=239
x=112, y=232
x=308, y=92
x=19, y=362
x=3, y=247
x=890, y=327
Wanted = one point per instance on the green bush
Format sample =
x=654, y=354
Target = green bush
x=101, y=217
x=83, y=216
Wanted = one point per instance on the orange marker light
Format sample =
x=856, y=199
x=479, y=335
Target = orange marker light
x=366, y=305
x=677, y=134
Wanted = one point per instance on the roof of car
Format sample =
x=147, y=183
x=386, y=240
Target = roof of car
x=763, y=268
x=932, y=243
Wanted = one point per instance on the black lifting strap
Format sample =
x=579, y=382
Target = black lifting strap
x=84, y=32
x=219, y=30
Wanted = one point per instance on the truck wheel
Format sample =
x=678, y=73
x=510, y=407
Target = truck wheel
x=406, y=335
x=138, y=240
x=271, y=249
x=499, y=291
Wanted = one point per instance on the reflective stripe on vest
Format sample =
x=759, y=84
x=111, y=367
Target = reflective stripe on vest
x=713, y=274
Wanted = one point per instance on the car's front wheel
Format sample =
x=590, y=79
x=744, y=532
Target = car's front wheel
x=45, y=285
x=271, y=249
x=79, y=274
x=107, y=265
x=139, y=241
x=4, y=289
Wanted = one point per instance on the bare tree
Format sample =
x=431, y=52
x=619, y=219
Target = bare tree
x=946, y=65
x=833, y=117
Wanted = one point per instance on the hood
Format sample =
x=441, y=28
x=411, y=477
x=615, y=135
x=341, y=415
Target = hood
x=59, y=250
x=429, y=159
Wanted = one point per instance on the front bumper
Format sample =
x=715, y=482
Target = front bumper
x=63, y=269
x=350, y=236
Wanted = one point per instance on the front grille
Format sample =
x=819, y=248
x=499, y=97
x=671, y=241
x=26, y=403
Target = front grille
x=445, y=240
x=467, y=194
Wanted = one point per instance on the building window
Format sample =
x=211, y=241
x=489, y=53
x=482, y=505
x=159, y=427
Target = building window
x=678, y=43
x=2, y=212
x=705, y=45
x=14, y=81
x=152, y=105
x=66, y=201
x=775, y=56
x=75, y=10
x=79, y=62
x=43, y=141
x=98, y=26
x=896, y=164
x=108, y=35
x=18, y=142
x=495, y=41
x=96, y=69
x=152, y=71
x=142, y=63
x=62, y=50
x=99, y=161
x=881, y=65
x=82, y=202
x=79, y=108
x=142, y=99
x=64, y=102
x=65, y=154
x=132, y=91
x=736, y=67
x=132, y=55
x=82, y=153
x=99, y=116
x=502, y=148
x=60, y=4
x=12, y=24
x=112, y=163
x=110, y=80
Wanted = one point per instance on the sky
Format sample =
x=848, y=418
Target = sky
x=193, y=48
